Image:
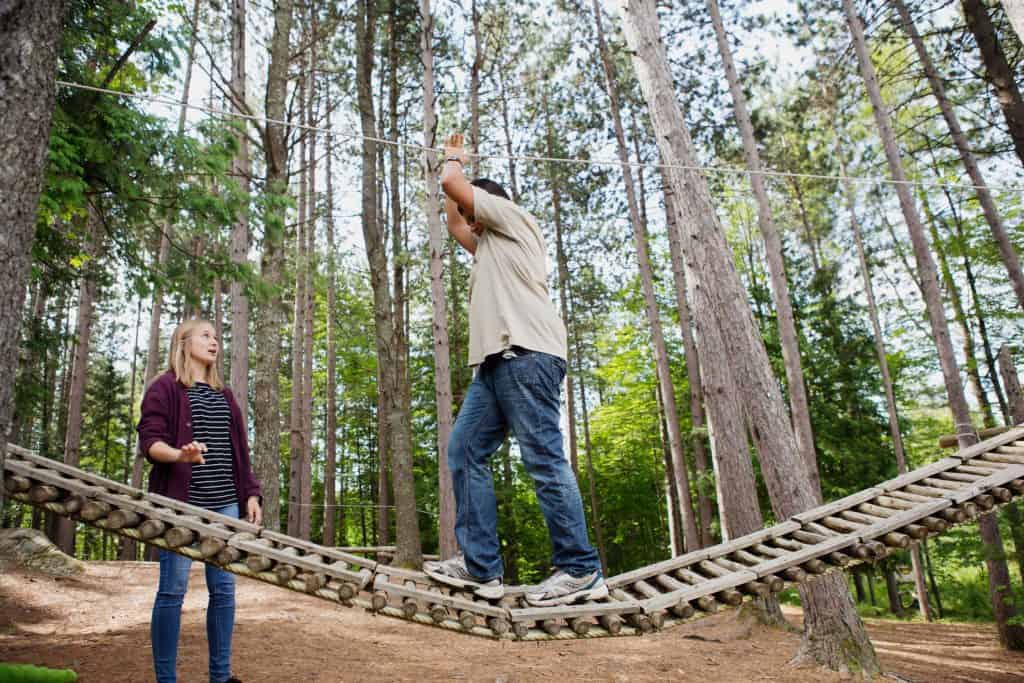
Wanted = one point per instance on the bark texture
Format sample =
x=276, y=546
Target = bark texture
x=331, y=437
x=266, y=455
x=65, y=535
x=834, y=635
x=788, y=335
x=29, y=39
x=442, y=352
x=241, y=168
x=998, y=72
x=883, y=366
x=698, y=417
x=408, y=552
x=661, y=360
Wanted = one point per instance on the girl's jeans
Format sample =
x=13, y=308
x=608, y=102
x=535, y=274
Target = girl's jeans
x=166, y=622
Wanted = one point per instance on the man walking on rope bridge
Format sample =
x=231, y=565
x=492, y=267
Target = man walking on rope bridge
x=517, y=343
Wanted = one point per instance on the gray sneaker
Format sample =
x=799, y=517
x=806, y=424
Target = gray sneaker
x=562, y=589
x=453, y=572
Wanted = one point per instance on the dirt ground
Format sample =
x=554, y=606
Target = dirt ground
x=98, y=625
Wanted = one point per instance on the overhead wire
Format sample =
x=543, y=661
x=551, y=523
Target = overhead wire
x=596, y=161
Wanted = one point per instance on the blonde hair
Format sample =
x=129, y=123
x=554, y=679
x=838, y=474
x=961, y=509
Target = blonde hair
x=180, y=361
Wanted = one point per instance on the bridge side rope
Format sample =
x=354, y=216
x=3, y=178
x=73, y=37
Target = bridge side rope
x=863, y=527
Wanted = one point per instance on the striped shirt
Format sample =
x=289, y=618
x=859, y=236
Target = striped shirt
x=213, y=482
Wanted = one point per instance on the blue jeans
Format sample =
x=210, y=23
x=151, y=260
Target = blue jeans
x=521, y=394
x=166, y=622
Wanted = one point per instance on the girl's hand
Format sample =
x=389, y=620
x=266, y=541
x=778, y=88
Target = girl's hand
x=253, y=513
x=192, y=453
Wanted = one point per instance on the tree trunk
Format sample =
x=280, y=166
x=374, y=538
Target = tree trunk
x=698, y=421
x=892, y=590
x=956, y=301
x=266, y=406
x=788, y=335
x=883, y=366
x=998, y=72
x=30, y=35
x=858, y=583
x=241, y=168
x=988, y=206
x=503, y=99
x=309, y=272
x=595, y=502
x=931, y=577
x=296, y=421
x=1003, y=609
x=474, y=93
x=668, y=393
x=834, y=635
x=129, y=547
x=442, y=359
x=65, y=538
x=510, y=553
x=408, y=551
x=331, y=438
x=403, y=482
x=1016, y=401
x=563, y=281
x=153, y=364
x=677, y=544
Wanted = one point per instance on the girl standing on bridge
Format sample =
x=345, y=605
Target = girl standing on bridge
x=191, y=430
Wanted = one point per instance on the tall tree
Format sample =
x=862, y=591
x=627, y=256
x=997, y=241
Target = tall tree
x=296, y=418
x=998, y=72
x=1012, y=636
x=564, y=286
x=331, y=439
x=442, y=355
x=833, y=634
x=409, y=552
x=29, y=39
x=883, y=365
x=788, y=335
x=661, y=360
x=92, y=241
x=1015, y=398
x=988, y=205
x=241, y=169
x=266, y=406
x=401, y=393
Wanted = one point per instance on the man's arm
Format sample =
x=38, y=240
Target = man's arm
x=458, y=193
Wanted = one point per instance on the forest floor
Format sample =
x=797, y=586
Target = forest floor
x=98, y=625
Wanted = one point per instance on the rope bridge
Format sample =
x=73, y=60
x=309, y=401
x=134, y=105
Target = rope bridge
x=862, y=527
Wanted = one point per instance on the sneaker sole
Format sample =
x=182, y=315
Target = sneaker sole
x=598, y=593
x=472, y=586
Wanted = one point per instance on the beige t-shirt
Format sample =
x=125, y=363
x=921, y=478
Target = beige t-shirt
x=509, y=304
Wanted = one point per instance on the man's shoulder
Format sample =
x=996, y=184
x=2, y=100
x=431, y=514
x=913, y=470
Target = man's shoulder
x=502, y=212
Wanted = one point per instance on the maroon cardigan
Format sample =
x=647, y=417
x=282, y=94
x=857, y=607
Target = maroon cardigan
x=167, y=417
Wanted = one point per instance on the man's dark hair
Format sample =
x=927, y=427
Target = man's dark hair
x=490, y=186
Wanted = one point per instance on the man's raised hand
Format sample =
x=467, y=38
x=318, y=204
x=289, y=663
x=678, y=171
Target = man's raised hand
x=453, y=148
